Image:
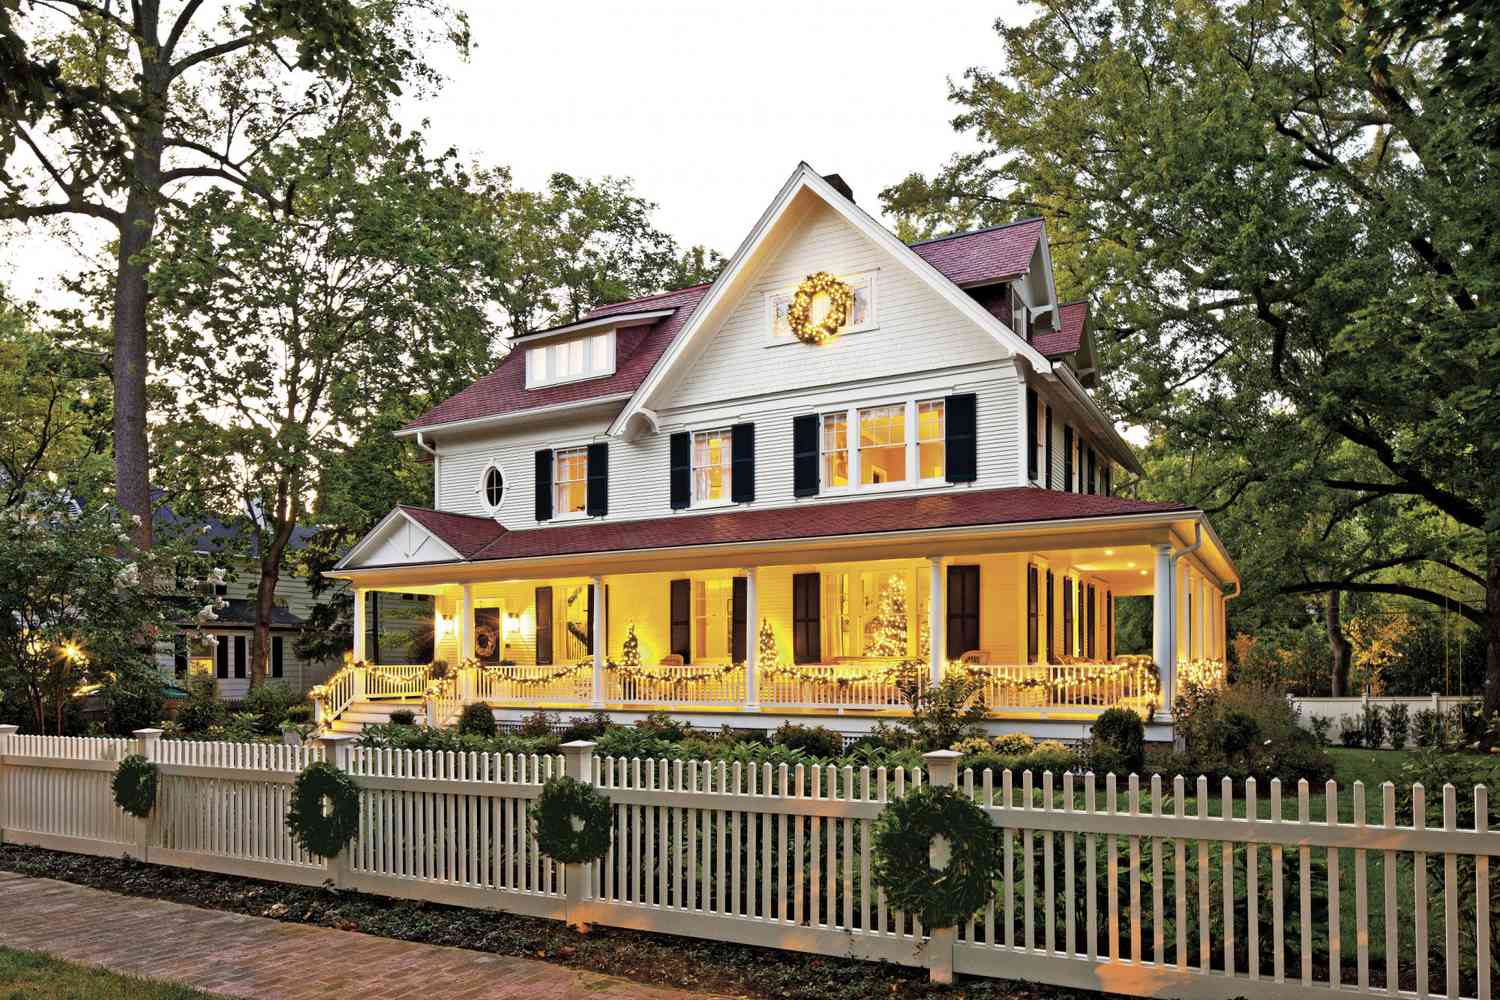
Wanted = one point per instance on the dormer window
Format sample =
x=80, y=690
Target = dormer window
x=570, y=360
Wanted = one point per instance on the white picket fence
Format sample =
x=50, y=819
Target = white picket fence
x=1106, y=885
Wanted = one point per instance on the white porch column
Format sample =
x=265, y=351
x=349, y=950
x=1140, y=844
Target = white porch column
x=935, y=620
x=359, y=624
x=1163, y=625
x=466, y=625
x=597, y=700
x=752, y=638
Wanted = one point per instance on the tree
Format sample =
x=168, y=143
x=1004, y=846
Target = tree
x=1283, y=217
x=108, y=112
x=288, y=324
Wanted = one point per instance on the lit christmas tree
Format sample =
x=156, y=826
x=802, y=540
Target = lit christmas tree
x=765, y=646
x=630, y=653
x=885, y=634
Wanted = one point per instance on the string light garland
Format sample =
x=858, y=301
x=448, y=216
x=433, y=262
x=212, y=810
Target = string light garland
x=539, y=680
x=673, y=675
x=799, y=311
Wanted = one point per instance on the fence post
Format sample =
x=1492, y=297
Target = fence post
x=578, y=764
x=942, y=772
x=146, y=741
x=338, y=750
x=7, y=746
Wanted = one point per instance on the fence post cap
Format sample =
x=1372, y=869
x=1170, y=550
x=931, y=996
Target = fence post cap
x=579, y=745
x=941, y=756
x=140, y=734
x=9, y=730
x=334, y=739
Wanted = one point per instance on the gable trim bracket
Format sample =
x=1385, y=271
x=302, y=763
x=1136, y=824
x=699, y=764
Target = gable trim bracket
x=376, y=532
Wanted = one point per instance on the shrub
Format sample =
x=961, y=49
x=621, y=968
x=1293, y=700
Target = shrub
x=133, y=700
x=202, y=710
x=1321, y=724
x=1247, y=730
x=269, y=703
x=479, y=720
x=1119, y=739
x=586, y=727
x=1057, y=759
x=972, y=745
x=1351, y=732
x=534, y=726
x=944, y=714
x=1427, y=728
x=403, y=717
x=1053, y=746
x=299, y=714
x=1398, y=724
x=663, y=726
x=816, y=741
x=635, y=741
x=1014, y=743
x=1466, y=725
x=1372, y=721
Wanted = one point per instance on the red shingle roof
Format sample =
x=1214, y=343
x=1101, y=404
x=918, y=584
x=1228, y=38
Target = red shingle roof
x=960, y=508
x=636, y=353
x=466, y=533
x=1068, y=337
x=984, y=254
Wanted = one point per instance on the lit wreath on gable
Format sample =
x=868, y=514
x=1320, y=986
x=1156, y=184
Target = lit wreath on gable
x=799, y=311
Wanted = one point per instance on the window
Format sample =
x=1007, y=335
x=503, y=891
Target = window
x=493, y=486
x=931, y=447
x=882, y=445
x=570, y=475
x=711, y=466
x=861, y=314
x=835, y=450
x=571, y=360
x=278, y=657
x=578, y=622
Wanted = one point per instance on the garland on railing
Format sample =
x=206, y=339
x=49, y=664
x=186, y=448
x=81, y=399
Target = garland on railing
x=1202, y=673
x=883, y=673
x=1140, y=670
x=541, y=680
x=673, y=675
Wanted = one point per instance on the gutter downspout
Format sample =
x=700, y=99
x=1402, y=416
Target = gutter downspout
x=435, y=478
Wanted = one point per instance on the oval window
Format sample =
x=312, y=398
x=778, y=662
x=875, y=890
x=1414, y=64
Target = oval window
x=494, y=486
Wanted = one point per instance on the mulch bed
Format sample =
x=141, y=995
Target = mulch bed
x=661, y=959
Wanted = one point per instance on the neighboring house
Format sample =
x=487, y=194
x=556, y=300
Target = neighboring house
x=228, y=657
x=677, y=502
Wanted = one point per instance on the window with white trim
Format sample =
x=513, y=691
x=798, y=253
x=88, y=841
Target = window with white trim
x=861, y=314
x=570, y=481
x=897, y=444
x=711, y=465
x=570, y=360
x=492, y=486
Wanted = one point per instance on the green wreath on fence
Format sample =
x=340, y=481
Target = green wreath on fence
x=904, y=832
x=134, y=785
x=324, y=814
x=573, y=821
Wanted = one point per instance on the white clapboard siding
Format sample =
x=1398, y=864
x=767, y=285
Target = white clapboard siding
x=1109, y=884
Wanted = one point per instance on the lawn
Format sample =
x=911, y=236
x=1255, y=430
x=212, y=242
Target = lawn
x=31, y=975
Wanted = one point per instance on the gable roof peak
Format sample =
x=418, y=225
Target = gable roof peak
x=1030, y=219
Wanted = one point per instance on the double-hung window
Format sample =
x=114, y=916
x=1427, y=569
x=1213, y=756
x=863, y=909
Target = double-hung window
x=711, y=466
x=570, y=481
x=893, y=444
x=570, y=360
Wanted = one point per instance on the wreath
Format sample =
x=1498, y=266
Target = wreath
x=573, y=821
x=324, y=814
x=904, y=833
x=485, y=642
x=799, y=311
x=134, y=785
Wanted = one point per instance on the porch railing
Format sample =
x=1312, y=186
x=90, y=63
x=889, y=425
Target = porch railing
x=407, y=680
x=529, y=685
x=833, y=686
x=709, y=685
x=1084, y=685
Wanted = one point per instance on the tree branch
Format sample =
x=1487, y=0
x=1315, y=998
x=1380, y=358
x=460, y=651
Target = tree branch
x=1475, y=615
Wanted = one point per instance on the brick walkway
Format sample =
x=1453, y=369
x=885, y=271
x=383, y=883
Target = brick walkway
x=266, y=959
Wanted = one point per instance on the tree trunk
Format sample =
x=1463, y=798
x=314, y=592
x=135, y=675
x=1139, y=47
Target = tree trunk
x=1492, y=643
x=1337, y=643
x=265, y=602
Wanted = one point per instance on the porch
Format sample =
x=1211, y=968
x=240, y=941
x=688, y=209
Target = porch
x=833, y=640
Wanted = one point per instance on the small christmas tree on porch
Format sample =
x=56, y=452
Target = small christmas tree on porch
x=630, y=653
x=765, y=646
x=885, y=634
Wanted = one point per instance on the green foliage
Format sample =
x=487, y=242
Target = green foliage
x=202, y=709
x=1247, y=730
x=942, y=714
x=134, y=786
x=324, y=813
x=1352, y=732
x=586, y=727
x=478, y=719
x=1398, y=725
x=562, y=800
x=1320, y=726
x=904, y=833
x=1428, y=726
x=538, y=724
x=816, y=741
x=403, y=717
x=1118, y=742
x=663, y=726
x=133, y=699
x=1013, y=743
x=399, y=737
x=1372, y=721
x=269, y=703
x=635, y=741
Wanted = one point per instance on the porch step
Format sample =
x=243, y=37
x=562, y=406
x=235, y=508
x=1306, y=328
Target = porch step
x=374, y=713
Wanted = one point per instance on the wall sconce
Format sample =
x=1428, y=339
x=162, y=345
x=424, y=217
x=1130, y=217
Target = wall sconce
x=442, y=625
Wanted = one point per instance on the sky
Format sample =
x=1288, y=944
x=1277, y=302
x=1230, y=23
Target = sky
x=707, y=106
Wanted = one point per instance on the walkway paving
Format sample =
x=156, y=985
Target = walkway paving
x=265, y=959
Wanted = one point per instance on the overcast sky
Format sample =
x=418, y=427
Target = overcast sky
x=706, y=105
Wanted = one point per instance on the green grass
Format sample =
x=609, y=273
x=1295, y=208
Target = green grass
x=31, y=975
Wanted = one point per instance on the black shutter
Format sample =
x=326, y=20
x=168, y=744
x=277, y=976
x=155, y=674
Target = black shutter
x=681, y=610
x=598, y=496
x=239, y=656
x=961, y=434
x=1109, y=624
x=1048, y=431
x=963, y=610
x=805, y=455
x=1051, y=609
x=739, y=611
x=681, y=458
x=1067, y=616
x=807, y=618
x=588, y=619
x=221, y=656
x=1067, y=460
x=1033, y=614
x=544, y=485
x=742, y=459
x=543, y=626
x=1090, y=620
x=1031, y=404
x=278, y=657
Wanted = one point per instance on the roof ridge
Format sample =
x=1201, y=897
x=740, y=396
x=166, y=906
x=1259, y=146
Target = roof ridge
x=976, y=232
x=648, y=298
